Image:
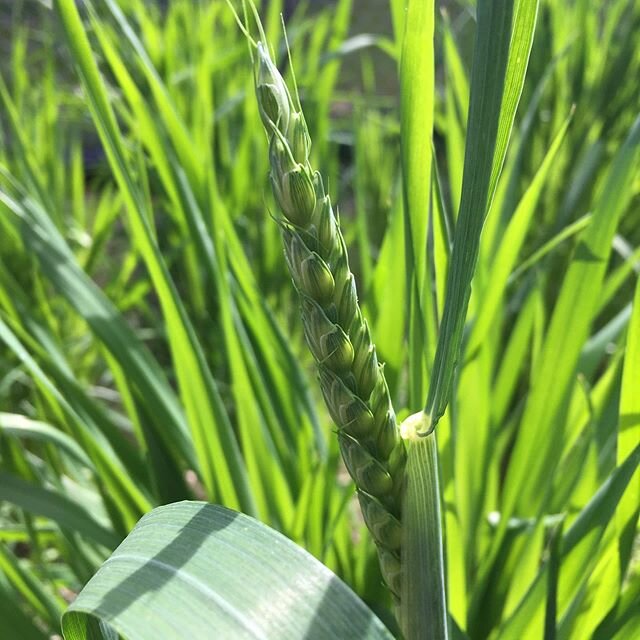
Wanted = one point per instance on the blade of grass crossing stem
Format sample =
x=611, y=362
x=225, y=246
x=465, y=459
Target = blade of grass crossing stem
x=567, y=232
x=537, y=448
x=416, y=126
x=494, y=96
x=513, y=358
x=624, y=620
x=522, y=566
x=221, y=465
x=629, y=434
x=618, y=277
x=423, y=605
x=585, y=541
x=602, y=586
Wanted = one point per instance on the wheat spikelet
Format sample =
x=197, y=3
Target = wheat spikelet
x=351, y=378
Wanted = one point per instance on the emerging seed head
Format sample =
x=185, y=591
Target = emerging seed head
x=391, y=570
x=397, y=461
x=274, y=101
x=310, y=272
x=292, y=185
x=365, y=366
x=368, y=473
x=385, y=527
x=328, y=343
x=298, y=137
x=347, y=410
x=387, y=435
x=380, y=401
x=325, y=223
x=280, y=157
x=348, y=303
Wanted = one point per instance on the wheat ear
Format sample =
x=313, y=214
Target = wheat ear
x=352, y=380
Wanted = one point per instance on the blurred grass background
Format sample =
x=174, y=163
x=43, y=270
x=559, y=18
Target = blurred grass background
x=150, y=346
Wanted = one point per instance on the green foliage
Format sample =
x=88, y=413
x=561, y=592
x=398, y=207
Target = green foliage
x=189, y=553
x=150, y=346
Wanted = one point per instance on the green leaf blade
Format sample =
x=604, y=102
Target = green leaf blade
x=417, y=73
x=45, y=502
x=195, y=569
x=499, y=64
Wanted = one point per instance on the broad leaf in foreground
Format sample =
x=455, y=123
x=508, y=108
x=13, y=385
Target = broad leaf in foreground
x=198, y=571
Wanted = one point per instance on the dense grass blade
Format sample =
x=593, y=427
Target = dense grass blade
x=220, y=463
x=26, y=584
x=629, y=435
x=50, y=504
x=537, y=450
x=579, y=553
x=118, y=490
x=524, y=22
x=19, y=426
x=15, y=618
x=417, y=72
x=59, y=264
x=623, y=620
x=514, y=236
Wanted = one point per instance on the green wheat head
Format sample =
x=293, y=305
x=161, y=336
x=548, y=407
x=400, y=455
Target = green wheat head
x=351, y=378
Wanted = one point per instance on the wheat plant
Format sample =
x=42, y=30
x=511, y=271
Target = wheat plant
x=351, y=379
x=169, y=466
